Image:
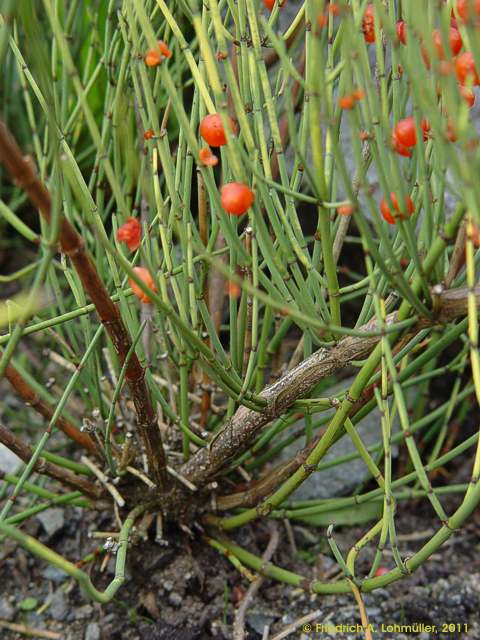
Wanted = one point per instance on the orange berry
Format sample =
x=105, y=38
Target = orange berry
x=451, y=132
x=455, y=40
x=236, y=198
x=233, y=289
x=468, y=95
x=387, y=214
x=346, y=102
x=399, y=148
x=464, y=9
x=358, y=94
x=465, y=68
x=475, y=235
x=334, y=9
x=154, y=57
x=368, y=24
x=145, y=277
x=164, y=50
x=130, y=233
x=401, y=29
x=381, y=571
x=269, y=4
x=207, y=158
x=212, y=131
x=322, y=20
x=345, y=210
x=405, y=132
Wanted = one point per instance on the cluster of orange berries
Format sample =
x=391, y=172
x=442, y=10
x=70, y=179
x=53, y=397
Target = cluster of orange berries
x=131, y=234
x=464, y=62
x=236, y=197
x=388, y=216
x=154, y=57
x=350, y=100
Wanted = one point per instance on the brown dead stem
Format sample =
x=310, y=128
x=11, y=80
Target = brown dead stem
x=28, y=395
x=24, y=452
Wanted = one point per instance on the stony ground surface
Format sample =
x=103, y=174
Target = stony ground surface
x=188, y=592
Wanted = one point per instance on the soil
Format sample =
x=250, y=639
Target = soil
x=186, y=591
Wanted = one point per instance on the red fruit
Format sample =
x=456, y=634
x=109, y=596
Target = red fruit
x=154, y=57
x=451, y=132
x=368, y=24
x=207, y=158
x=334, y=9
x=401, y=149
x=381, y=571
x=358, y=94
x=385, y=209
x=401, y=29
x=345, y=210
x=233, y=289
x=346, y=102
x=130, y=233
x=465, y=68
x=468, y=95
x=405, y=133
x=455, y=40
x=145, y=276
x=236, y=198
x=164, y=50
x=322, y=20
x=212, y=131
x=148, y=135
x=464, y=9
x=269, y=4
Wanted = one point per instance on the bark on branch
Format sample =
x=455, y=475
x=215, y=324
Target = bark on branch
x=22, y=172
x=23, y=451
x=239, y=431
x=29, y=396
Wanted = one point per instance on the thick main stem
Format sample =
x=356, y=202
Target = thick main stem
x=238, y=432
x=72, y=245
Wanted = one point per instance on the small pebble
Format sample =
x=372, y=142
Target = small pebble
x=92, y=632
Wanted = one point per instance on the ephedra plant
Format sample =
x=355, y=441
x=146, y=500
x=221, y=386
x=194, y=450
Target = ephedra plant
x=204, y=174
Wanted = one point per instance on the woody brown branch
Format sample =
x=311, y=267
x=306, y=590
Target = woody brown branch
x=238, y=433
x=28, y=395
x=72, y=245
x=24, y=452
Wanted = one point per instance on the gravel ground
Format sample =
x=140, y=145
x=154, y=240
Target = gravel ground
x=187, y=592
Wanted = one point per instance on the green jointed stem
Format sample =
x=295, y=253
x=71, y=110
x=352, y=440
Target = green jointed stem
x=52, y=557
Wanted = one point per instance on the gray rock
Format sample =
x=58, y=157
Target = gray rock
x=53, y=574
x=175, y=599
x=58, y=606
x=52, y=520
x=92, y=632
x=9, y=462
x=83, y=612
x=168, y=585
x=258, y=621
x=7, y=612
